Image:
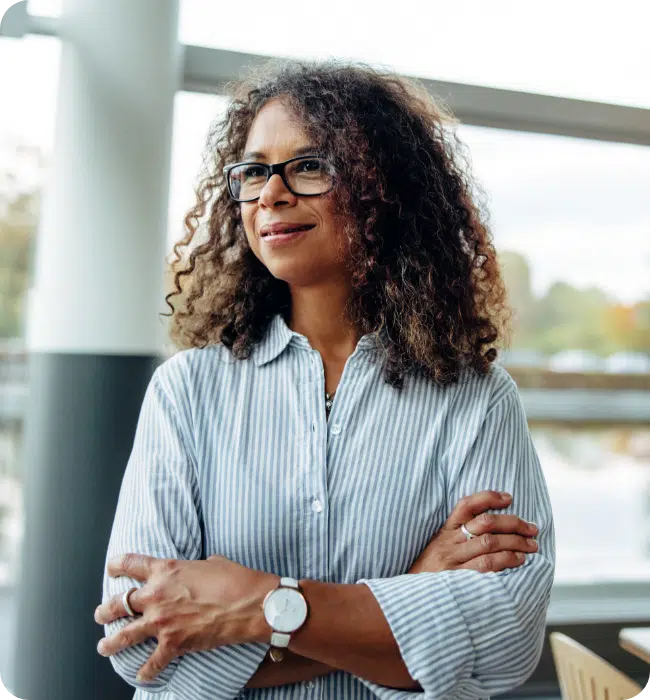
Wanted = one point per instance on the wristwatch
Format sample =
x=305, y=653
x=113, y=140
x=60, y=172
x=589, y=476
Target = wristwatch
x=285, y=610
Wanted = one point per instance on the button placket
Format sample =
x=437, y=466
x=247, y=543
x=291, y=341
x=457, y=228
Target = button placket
x=315, y=476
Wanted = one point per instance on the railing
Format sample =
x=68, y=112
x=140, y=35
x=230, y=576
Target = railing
x=579, y=398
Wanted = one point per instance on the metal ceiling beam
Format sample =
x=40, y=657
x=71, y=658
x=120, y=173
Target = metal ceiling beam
x=209, y=70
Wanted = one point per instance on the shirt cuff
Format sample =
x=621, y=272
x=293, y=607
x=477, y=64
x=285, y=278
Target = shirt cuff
x=426, y=622
x=217, y=674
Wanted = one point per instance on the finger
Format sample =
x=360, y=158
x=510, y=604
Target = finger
x=495, y=562
x=495, y=522
x=476, y=504
x=114, y=609
x=158, y=661
x=137, y=566
x=130, y=635
x=490, y=544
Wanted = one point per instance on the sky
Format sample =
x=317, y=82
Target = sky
x=579, y=210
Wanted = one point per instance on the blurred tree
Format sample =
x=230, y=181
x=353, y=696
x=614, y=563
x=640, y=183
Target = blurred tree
x=620, y=326
x=573, y=318
x=516, y=274
x=19, y=214
x=570, y=318
x=17, y=230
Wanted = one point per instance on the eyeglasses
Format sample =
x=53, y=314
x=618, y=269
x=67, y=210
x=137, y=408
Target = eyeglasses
x=304, y=176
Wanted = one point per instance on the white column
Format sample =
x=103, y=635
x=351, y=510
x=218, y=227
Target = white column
x=101, y=243
x=93, y=328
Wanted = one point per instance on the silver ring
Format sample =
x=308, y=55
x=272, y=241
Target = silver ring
x=467, y=533
x=126, y=604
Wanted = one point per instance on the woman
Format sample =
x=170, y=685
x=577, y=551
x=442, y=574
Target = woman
x=297, y=513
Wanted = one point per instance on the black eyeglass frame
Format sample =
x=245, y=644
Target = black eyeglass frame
x=271, y=170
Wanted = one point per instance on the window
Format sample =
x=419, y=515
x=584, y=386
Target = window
x=570, y=221
x=26, y=138
x=568, y=50
x=193, y=116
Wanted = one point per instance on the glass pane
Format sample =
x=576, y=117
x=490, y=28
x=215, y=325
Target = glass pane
x=26, y=137
x=571, y=222
x=193, y=116
x=509, y=44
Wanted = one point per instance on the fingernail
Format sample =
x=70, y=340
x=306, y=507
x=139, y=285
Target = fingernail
x=100, y=647
x=534, y=525
x=505, y=496
x=140, y=678
x=520, y=555
x=532, y=542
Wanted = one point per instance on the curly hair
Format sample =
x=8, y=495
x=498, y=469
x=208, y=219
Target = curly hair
x=422, y=264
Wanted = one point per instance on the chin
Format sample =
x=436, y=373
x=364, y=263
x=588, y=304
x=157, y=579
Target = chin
x=293, y=272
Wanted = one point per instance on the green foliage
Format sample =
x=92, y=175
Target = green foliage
x=23, y=168
x=570, y=318
x=18, y=223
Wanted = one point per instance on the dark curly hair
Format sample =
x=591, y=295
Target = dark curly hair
x=423, y=268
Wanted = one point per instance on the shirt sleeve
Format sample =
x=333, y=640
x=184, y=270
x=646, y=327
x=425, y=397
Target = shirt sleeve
x=464, y=634
x=159, y=514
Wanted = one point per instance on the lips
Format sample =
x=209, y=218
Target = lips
x=282, y=227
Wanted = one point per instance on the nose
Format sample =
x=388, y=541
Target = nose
x=275, y=193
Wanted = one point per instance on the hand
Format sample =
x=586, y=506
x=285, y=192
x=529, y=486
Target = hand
x=488, y=551
x=186, y=606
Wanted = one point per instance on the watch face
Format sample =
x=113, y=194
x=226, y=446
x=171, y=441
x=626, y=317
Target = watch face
x=285, y=609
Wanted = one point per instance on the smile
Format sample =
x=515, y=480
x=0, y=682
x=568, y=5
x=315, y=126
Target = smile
x=283, y=229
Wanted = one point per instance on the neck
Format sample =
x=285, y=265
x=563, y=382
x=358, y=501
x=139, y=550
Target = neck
x=318, y=314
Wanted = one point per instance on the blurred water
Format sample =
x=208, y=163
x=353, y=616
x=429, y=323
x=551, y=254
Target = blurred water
x=599, y=483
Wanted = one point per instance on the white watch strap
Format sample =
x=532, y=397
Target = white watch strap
x=279, y=639
x=288, y=582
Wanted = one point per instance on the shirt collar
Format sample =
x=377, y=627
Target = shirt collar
x=278, y=336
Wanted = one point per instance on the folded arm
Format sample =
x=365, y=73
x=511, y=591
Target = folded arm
x=158, y=514
x=451, y=634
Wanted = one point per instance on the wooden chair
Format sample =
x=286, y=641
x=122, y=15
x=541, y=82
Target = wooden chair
x=583, y=675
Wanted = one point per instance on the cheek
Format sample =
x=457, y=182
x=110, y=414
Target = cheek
x=248, y=221
x=342, y=229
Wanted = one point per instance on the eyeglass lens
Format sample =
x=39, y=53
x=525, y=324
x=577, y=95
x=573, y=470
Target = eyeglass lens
x=307, y=176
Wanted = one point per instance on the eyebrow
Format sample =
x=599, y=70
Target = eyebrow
x=258, y=155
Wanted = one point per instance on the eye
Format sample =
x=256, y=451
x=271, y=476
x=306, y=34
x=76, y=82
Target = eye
x=252, y=171
x=312, y=165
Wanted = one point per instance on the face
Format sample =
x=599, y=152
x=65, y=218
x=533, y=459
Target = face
x=309, y=257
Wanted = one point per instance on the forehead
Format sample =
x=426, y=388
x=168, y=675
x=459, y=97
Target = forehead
x=276, y=130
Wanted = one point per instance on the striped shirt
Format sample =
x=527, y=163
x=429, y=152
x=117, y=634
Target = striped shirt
x=235, y=457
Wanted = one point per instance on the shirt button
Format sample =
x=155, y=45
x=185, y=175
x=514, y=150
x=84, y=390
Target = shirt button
x=316, y=506
x=310, y=685
x=336, y=429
